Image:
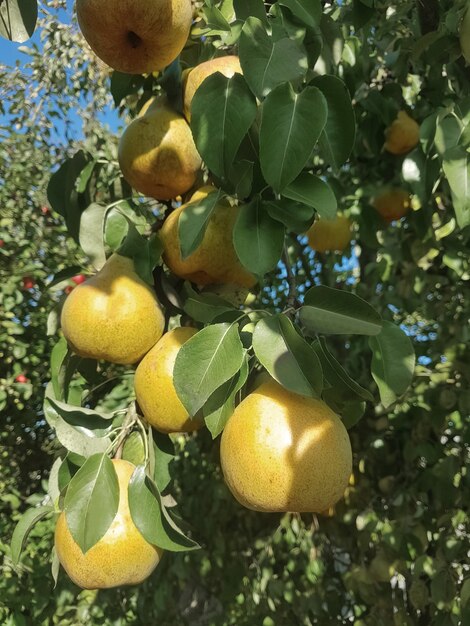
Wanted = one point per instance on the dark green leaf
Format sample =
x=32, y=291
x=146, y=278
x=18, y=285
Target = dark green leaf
x=307, y=11
x=144, y=251
x=339, y=134
x=456, y=164
x=245, y=9
x=64, y=274
x=18, y=19
x=313, y=192
x=393, y=362
x=92, y=501
x=58, y=355
x=203, y=307
x=343, y=385
x=258, y=238
x=295, y=216
x=287, y=356
x=205, y=362
x=151, y=517
x=267, y=63
x=220, y=406
x=222, y=111
x=192, y=222
x=123, y=85
x=291, y=124
x=164, y=450
x=333, y=311
x=23, y=527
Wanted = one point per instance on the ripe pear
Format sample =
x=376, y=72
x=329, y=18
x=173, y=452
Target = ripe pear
x=121, y=557
x=135, y=36
x=402, y=135
x=157, y=153
x=154, y=388
x=284, y=452
x=215, y=260
x=113, y=316
x=392, y=203
x=330, y=235
x=227, y=65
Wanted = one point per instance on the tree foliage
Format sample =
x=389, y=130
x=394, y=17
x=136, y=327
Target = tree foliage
x=300, y=134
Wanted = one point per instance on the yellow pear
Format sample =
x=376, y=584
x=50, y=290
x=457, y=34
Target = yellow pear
x=402, y=135
x=135, y=36
x=121, y=557
x=330, y=235
x=192, y=80
x=157, y=153
x=114, y=315
x=284, y=452
x=154, y=387
x=392, y=203
x=215, y=260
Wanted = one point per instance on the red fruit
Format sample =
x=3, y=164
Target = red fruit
x=28, y=282
x=79, y=279
x=44, y=210
x=21, y=378
x=2, y=243
x=68, y=289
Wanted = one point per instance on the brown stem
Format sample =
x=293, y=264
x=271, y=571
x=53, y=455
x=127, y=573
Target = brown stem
x=127, y=426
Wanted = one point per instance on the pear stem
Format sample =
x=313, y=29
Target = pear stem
x=127, y=426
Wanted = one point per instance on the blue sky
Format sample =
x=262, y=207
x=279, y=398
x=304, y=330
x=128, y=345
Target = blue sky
x=11, y=54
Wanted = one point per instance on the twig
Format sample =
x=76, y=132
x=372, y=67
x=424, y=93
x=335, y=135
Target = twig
x=292, y=295
x=127, y=426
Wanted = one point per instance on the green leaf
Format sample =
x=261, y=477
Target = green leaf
x=220, y=406
x=23, y=528
x=144, y=251
x=287, y=356
x=75, y=440
x=91, y=234
x=203, y=307
x=393, y=362
x=193, y=220
x=307, y=11
x=81, y=417
x=151, y=517
x=58, y=356
x=344, y=387
x=18, y=19
x=339, y=134
x=206, y=361
x=115, y=229
x=333, y=311
x=133, y=449
x=64, y=274
x=164, y=453
x=245, y=9
x=291, y=124
x=123, y=85
x=258, y=238
x=267, y=63
x=456, y=165
x=222, y=111
x=215, y=20
x=295, y=216
x=62, y=192
x=314, y=192
x=92, y=501
x=443, y=589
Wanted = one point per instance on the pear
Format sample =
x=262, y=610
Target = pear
x=227, y=65
x=284, y=452
x=135, y=36
x=330, y=235
x=157, y=153
x=121, y=557
x=154, y=388
x=402, y=135
x=113, y=316
x=215, y=260
x=392, y=203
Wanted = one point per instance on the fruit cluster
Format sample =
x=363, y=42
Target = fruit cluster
x=279, y=451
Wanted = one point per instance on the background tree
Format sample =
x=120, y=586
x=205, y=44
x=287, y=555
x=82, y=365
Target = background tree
x=394, y=550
